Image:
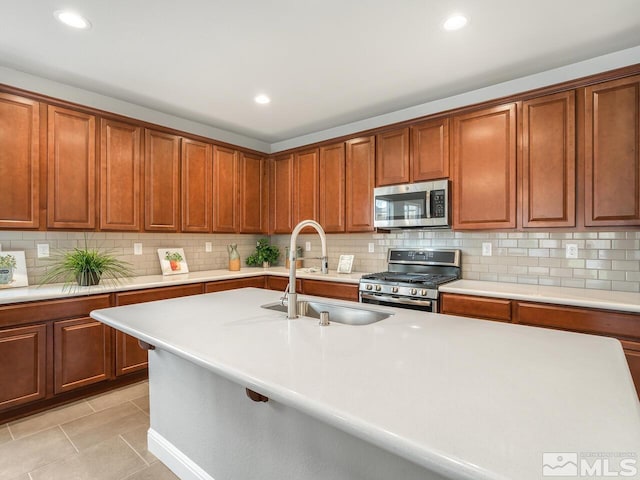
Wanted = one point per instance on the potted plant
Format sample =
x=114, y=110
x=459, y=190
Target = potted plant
x=174, y=259
x=86, y=267
x=7, y=266
x=264, y=255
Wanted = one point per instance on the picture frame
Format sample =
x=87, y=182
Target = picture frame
x=13, y=269
x=345, y=263
x=173, y=261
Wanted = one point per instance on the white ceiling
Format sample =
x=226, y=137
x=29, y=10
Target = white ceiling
x=324, y=63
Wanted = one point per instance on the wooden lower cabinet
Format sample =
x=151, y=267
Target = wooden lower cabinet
x=23, y=354
x=476, y=307
x=322, y=288
x=222, y=285
x=280, y=283
x=82, y=353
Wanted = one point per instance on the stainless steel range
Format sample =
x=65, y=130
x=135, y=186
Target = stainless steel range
x=412, y=278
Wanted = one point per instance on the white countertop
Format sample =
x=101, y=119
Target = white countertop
x=52, y=291
x=468, y=398
x=579, y=297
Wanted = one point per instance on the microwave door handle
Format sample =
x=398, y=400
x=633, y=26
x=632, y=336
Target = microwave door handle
x=428, y=203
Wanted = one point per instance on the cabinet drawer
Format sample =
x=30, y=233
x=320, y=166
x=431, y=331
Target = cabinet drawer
x=343, y=291
x=152, y=294
x=601, y=322
x=477, y=307
x=22, y=313
x=256, y=282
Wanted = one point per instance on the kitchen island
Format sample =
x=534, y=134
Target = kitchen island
x=415, y=396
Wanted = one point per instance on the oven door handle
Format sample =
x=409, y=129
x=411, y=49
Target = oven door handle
x=404, y=301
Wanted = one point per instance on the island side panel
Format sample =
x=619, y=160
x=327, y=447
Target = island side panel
x=211, y=422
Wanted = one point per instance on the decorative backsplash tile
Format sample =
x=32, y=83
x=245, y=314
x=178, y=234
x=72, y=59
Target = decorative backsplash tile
x=606, y=260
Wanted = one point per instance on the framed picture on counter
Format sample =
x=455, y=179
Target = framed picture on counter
x=172, y=261
x=13, y=270
x=345, y=263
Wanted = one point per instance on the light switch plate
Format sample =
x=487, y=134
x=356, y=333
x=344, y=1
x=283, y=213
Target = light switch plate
x=43, y=250
x=571, y=250
x=372, y=247
x=486, y=249
x=307, y=246
x=137, y=249
x=207, y=246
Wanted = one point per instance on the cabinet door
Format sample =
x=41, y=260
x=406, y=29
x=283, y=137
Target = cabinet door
x=281, y=283
x=225, y=190
x=332, y=188
x=254, y=200
x=612, y=153
x=282, y=194
x=196, y=162
x=19, y=162
x=82, y=353
x=476, y=307
x=162, y=181
x=360, y=181
x=484, y=177
x=71, y=160
x=22, y=365
x=549, y=161
x=392, y=157
x=305, y=190
x=322, y=288
x=120, y=176
x=430, y=150
x=223, y=285
x=130, y=357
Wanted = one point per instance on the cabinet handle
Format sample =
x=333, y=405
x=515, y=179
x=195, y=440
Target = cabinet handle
x=255, y=396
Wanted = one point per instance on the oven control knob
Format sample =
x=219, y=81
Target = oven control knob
x=413, y=291
x=423, y=292
x=394, y=290
x=369, y=286
x=378, y=288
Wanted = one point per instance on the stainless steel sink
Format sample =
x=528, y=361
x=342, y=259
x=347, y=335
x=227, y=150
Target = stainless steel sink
x=337, y=313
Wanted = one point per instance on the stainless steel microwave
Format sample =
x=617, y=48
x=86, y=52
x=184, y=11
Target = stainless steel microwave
x=415, y=205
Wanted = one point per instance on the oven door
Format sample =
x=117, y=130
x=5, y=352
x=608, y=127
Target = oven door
x=423, y=304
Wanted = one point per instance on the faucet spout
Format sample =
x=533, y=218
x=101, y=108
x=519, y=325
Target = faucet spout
x=292, y=306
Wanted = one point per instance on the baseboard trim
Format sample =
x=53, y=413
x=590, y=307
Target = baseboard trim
x=174, y=459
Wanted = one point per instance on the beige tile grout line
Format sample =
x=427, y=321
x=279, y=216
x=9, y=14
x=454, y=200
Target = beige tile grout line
x=10, y=432
x=134, y=404
x=65, y=434
x=136, y=452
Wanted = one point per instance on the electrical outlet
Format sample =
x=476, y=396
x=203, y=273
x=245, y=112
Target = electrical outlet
x=137, y=249
x=571, y=250
x=43, y=250
x=207, y=246
x=372, y=247
x=486, y=249
x=307, y=246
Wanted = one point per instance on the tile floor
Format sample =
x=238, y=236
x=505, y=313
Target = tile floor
x=100, y=438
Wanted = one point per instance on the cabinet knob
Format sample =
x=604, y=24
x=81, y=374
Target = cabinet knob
x=255, y=396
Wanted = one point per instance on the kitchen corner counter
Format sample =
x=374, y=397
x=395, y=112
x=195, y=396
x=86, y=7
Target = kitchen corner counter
x=577, y=297
x=53, y=291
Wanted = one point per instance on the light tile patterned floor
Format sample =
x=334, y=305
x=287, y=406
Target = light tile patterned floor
x=100, y=438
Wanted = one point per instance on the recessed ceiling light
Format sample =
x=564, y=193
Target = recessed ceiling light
x=455, y=22
x=262, y=99
x=72, y=19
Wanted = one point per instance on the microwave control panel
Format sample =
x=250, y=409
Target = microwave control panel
x=438, y=203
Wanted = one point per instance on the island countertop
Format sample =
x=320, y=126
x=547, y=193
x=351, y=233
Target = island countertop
x=462, y=397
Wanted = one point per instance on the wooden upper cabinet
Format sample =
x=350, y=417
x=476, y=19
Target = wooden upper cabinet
x=306, y=183
x=484, y=176
x=332, y=188
x=120, y=176
x=430, y=150
x=392, y=157
x=162, y=181
x=549, y=161
x=19, y=162
x=611, y=153
x=225, y=190
x=254, y=200
x=281, y=194
x=360, y=179
x=71, y=162
x=196, y=170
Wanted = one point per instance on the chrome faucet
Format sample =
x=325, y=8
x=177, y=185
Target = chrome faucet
x=292, y=306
